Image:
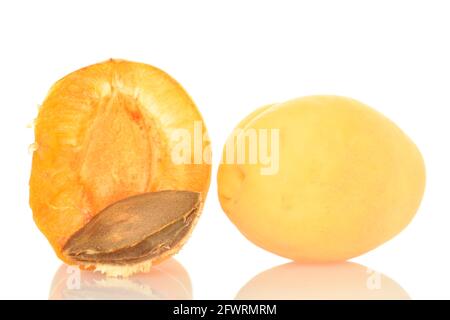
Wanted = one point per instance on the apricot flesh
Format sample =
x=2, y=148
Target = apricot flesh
x=103, y=134
x=348, y=180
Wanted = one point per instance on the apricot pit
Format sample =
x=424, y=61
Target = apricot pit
x=135, y=229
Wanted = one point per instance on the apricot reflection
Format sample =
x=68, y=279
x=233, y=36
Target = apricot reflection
x=168, y=280
x=334, y=281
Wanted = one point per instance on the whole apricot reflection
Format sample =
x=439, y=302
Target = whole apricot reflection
x=168, y=280
x=332, y=281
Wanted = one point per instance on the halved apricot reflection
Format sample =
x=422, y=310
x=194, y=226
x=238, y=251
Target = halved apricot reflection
x=103, y=167
x=168, y=280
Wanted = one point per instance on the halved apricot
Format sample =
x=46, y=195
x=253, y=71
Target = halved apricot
x=104, y=134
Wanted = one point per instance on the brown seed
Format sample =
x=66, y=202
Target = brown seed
x=135, y=229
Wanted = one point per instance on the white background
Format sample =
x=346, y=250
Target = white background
x=234, y=56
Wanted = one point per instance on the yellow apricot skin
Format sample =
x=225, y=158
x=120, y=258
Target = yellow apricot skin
x=349, y=180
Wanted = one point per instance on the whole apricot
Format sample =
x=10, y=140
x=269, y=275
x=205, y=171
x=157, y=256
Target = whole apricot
x=104, y=188
x=343, y=178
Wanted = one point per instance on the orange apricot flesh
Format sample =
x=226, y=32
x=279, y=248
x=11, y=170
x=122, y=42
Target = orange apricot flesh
x=104, y=134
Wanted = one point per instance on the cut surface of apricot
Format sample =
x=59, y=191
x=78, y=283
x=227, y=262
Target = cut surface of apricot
x=104, y=134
